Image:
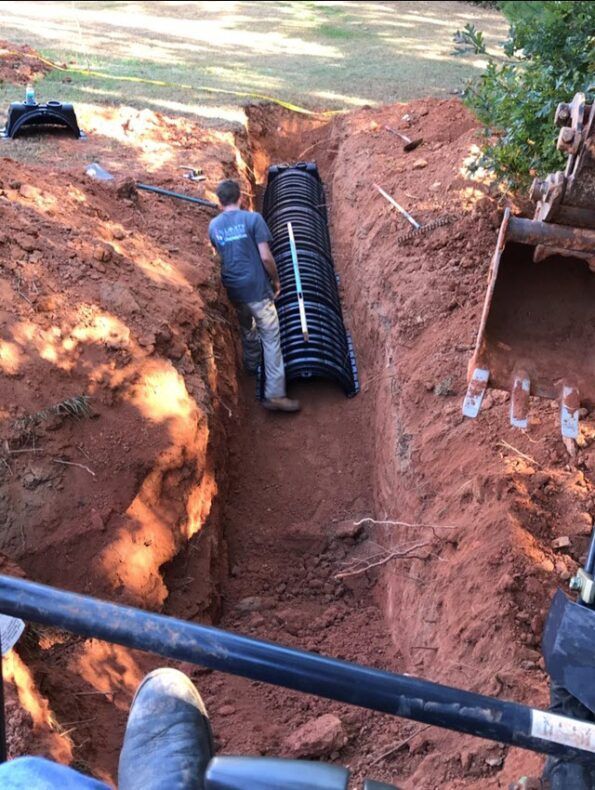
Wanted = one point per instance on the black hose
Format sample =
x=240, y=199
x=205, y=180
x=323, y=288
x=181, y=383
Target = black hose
x=368, y=687
x=177, y=195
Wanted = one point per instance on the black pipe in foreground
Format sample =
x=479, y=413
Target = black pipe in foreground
x=3, y=749
x=178, y=195
x=399, y=695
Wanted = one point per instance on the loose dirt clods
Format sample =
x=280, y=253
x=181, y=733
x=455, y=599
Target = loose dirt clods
x=178, y=493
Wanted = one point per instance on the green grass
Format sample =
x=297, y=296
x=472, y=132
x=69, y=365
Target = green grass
x=322, y=55
x=332, y=31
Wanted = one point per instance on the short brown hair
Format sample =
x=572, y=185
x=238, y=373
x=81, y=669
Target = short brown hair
x=228, y=192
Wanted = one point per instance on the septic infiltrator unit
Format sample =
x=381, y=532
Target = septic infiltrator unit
x=314, y=345
x=29, y=114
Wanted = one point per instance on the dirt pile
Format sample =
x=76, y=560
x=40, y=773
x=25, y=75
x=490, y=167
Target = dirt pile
x=484, y=586
x=20, y=64
x=118, y=382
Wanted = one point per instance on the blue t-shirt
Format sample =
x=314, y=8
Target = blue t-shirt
x=236, y=235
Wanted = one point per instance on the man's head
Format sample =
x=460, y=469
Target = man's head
x=228, y=193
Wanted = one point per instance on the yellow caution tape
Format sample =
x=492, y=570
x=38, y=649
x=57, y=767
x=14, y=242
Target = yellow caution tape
x=165, y=84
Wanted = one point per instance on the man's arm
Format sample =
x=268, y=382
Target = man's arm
x=269, y=264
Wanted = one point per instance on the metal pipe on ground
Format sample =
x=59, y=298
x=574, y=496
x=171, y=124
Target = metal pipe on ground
x=398, y=695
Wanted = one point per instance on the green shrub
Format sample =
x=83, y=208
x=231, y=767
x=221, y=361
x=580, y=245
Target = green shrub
x=551, y=56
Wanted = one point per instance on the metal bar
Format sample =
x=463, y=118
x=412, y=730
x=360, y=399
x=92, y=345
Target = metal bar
x=531, y=231
x=476, y=360
x=178, y=195
x=589, y=565
x=298, y=283
x=398, y=206
x=398, y=695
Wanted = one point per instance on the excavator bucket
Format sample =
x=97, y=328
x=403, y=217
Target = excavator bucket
x=537, y=329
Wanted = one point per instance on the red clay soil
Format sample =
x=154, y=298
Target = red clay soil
x=176, y=504
x=487, y=572
x=20, y=64
x=114, y=296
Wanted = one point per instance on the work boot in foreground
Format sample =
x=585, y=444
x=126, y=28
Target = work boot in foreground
x=281, y=404
x=167, y=743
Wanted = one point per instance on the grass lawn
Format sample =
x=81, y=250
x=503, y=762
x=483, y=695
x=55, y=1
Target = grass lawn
x=321, y=55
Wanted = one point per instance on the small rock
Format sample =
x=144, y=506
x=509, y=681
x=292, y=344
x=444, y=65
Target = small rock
x=118, y=233
x=562, y=542
x=146, y=340
x=28, y=191
x=96, y=521
x=47, y=304
x=119, y=298
x=127, y=189
x=254, y=603
x=26, y=243
x=419, y=164
x=586, y=522
x=444, y=387
x=103, y=253
x=177, y=349
x=347, y=529
x=226, y=710
x=537, y=625
x=495, y=762
x=317, y=738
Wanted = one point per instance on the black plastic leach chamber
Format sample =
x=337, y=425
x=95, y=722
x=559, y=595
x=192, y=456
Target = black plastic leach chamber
x=295, y=195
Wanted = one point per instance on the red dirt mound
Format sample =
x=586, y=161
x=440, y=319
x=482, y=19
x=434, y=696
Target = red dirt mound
x=20, y=64
x=118, y=378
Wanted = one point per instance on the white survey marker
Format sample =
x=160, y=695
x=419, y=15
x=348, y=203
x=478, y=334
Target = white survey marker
x=298, y=283
x=11, y=629
x=561, y=729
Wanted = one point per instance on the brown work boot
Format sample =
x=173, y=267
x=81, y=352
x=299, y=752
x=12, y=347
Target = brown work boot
x=281, y=404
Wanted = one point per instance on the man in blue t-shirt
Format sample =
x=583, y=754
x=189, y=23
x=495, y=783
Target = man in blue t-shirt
x=249, y=274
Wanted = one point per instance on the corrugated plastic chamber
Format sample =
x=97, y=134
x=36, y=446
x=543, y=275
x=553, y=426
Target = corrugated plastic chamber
x=295, y=194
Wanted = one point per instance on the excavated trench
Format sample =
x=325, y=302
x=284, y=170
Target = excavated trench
x=275, y=551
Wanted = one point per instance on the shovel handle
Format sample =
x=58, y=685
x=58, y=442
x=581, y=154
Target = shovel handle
x=399, y=134
x=400, y=208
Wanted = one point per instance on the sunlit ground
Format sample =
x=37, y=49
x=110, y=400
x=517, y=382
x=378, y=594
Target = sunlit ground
x=323, y=55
